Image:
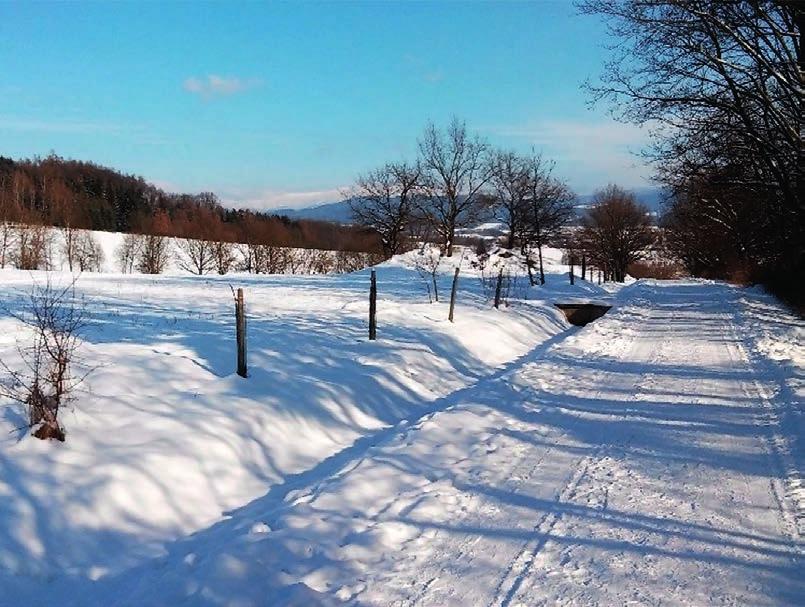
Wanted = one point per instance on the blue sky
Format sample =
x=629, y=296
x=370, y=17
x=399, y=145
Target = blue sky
x=284, y=103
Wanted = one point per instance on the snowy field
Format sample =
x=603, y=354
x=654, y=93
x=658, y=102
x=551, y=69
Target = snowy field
x=653, y=457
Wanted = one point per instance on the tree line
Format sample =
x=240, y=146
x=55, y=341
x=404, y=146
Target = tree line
x=723, y=85
x=73, y=194
x=458, y=179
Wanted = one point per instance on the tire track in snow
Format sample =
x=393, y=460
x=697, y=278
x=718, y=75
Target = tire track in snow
x=785, y=484
x=519, y=569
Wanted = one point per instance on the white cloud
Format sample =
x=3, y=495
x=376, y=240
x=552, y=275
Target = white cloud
x=589, y=154
x=275, y=199
x=219, y=86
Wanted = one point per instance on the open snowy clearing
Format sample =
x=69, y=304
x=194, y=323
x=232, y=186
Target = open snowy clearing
x=652, y=457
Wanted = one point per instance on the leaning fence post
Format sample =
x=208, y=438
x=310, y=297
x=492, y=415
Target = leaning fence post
x=373, y=307
x=498, y=288
x=240, y=325
x=453, y=296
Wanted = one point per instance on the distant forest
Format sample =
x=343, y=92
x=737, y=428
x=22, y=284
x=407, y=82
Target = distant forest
x=71, y=193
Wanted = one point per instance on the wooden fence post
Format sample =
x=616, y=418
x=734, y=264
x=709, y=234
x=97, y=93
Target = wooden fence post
x=373, y=307
x=453, y=296
x=498, y=288
x=584, y=267
x=240, y=324
x=572, y=276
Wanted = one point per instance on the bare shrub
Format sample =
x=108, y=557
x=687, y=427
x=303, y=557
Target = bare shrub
x=33, y=247
x=661, y=270
x=128, y=252
x=88, y=253
x=154, y=254
x=69, y=244
x=267, y=259
x=223, y=256
x=7, y=241
x=351, y=261
x=196, y=256
x=426, y=262
x=45, y=382
x=319, y=262
x=247, y=251
x=293, y=260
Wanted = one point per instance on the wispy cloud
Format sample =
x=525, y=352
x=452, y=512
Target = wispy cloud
x=591, y=153
x=274, y=199
x=422, y=70
x=219, y=86
x=66, y=125
x=54, y=126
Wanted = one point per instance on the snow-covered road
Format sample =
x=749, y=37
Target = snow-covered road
x=644, y=459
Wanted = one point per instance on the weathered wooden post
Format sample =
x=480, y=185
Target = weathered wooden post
x=583, y=267
x=572, y=276
x=373, y=307
x=240, y=326
x=499, y=288
x=453, y=296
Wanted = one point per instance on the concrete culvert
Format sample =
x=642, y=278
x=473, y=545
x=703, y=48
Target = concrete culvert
x=580, y=314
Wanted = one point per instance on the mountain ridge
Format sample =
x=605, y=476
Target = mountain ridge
x=340, y=212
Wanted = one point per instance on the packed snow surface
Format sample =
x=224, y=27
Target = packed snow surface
x=652, y=457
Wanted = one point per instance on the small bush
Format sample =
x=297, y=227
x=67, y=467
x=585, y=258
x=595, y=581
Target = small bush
x=664, y=270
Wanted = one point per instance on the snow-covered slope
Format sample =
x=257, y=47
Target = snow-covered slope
x=504, y=459
x=164, y=437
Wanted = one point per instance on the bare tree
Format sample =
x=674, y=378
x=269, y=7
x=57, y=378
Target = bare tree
x=384, y=200
x=33, y=247
x=510, y=181
x=268, y=259
x=46, y=380
x=196, y=256
x=154, y=253
x=128, y=252
x=223, y=255
x=69, y=237
x=544, y=214
x=455, y=170
x=88, y=252
x=7, y=241
x=725, y=83
x=616, y=231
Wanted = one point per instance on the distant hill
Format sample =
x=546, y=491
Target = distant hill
x=652, y=197
x=340, y=212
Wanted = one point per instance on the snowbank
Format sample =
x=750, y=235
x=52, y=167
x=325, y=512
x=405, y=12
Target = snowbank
x=164, y=438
